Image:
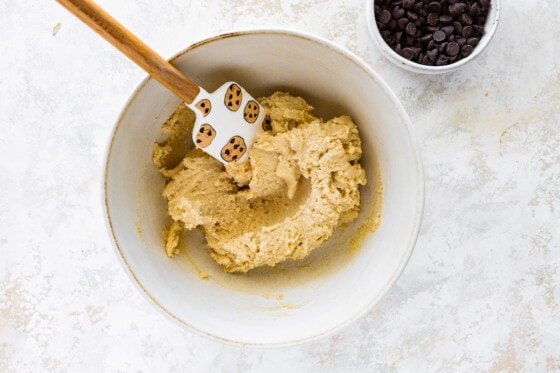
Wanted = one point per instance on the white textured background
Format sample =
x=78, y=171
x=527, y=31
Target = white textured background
x=481, y=291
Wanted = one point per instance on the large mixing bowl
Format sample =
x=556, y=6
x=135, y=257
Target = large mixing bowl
x=296, y=301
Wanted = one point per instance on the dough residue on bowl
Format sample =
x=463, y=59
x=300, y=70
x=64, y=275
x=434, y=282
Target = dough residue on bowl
x=300, y=183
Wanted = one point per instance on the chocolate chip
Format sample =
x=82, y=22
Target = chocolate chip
x=386, y=34
x=384, y=17
x=432, y=29
x=465, y=19
x=426, y=61
x=466, y=50
x=439, y=36
x=475, y=10
x=407, y=53
x=467, y=32
x=472, y=41
x=416, y=51
x=424, y=39
x=420, y=9
x=457, y=27
x=433, y=19
x=412, y=16
x=445, y=19
x=457, y=9
x=432, y=54
x=452, y=49
x=401, y=23
x=477, y=30
x=398, y=13
x=434, y=7
x=410, y=29
x=448, y=30
x=441, y=60
x=408, y=4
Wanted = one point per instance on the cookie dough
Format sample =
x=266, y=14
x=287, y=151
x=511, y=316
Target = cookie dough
x=300, y=183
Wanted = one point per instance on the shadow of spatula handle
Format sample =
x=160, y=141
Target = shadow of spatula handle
x=112, y=31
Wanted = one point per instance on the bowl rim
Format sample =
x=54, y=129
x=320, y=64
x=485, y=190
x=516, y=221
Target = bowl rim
x=417, y=219
x=402, y=62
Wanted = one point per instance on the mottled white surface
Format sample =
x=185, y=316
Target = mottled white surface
x=481, y=291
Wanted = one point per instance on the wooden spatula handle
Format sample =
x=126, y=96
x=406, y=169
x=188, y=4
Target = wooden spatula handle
x=106, y=26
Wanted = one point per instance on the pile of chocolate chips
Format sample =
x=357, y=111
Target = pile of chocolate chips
x=432, y=32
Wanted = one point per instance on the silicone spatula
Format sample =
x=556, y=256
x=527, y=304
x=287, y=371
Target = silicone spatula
x=228, y=120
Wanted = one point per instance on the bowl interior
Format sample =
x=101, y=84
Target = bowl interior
x=297, y=301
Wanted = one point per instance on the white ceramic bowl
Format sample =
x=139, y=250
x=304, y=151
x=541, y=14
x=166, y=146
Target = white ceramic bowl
x=489, y=30
x=299, y=301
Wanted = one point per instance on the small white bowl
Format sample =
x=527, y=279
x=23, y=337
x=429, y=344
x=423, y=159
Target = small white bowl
x=489, y=30
x=290, y=303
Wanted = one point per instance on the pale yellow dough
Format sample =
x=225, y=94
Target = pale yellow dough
x=301, y=182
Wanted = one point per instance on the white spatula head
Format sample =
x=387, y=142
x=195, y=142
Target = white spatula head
x=228, y=122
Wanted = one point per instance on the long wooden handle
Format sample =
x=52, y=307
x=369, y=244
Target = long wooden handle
x=112, y=31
